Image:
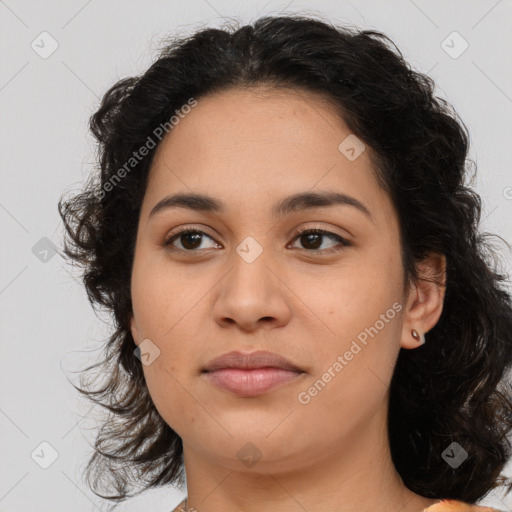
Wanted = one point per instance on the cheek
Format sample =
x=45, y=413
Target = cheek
x=346, y=299
x=161, y=296
x=355, y=367
x=166, y=394
x=167, y=377
x=355, y=312
x=348, y=401
x=172, y=389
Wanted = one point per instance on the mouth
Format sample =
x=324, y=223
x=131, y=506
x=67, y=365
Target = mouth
x=248, y=375
x=254, y=382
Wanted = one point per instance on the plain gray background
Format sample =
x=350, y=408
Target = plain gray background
x=48, y=327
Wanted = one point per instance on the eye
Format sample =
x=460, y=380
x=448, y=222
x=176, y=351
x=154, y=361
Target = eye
x=312, y=238
x=190, y=239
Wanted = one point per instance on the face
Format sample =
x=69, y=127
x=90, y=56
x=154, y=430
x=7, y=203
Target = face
x=329, y=302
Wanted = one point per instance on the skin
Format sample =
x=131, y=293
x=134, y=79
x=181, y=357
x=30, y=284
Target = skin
x=250, y=148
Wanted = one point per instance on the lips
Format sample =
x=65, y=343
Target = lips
x=259, y=359
x=248, y=375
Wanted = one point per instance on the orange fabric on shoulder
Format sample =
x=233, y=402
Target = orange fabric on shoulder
x=457, y=506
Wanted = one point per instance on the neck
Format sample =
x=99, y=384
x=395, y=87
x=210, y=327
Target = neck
x=360, y=477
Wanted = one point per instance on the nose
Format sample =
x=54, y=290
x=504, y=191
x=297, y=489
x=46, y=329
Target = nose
x=253, y=295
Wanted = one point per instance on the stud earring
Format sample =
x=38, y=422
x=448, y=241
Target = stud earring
x=417, y=337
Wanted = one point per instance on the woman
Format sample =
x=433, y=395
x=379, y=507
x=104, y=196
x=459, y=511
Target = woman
x=305, y=315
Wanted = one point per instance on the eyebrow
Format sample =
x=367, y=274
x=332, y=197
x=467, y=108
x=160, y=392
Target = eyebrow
x=293, y=203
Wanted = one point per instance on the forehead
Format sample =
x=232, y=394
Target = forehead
x=259, y=144
x=257, y=117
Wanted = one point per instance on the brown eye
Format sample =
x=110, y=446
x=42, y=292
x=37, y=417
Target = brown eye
x=312, y=239
x=190, y=240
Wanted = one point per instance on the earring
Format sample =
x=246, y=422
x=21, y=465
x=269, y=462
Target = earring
x=417, y=337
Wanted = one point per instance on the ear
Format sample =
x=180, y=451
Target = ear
x=425, y=299
x=134, y=330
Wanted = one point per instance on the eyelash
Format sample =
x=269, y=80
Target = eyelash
x=181, y=231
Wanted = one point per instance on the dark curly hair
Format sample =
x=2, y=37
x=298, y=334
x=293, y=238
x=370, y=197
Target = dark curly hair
x=455, y=388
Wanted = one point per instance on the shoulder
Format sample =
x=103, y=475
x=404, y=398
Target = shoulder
x=440, y=506
x=458, y=506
